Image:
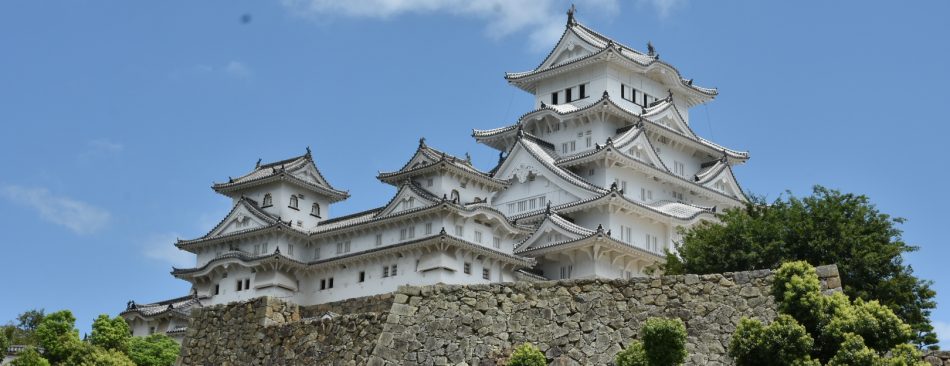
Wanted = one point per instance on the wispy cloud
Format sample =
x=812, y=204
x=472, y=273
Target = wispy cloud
x=162, y=247
x=105, y=145
x=663, y=7
x=237, y=69
x=232, y=70
x=943, y=333
x=543, y=19
x=80, y=217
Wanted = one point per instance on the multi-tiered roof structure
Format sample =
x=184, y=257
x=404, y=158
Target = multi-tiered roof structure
x=593, y=182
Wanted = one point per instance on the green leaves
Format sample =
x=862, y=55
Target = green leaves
x=527, y=355
x=154, y=350
x=110, y=334
x=664, y=341
x=823, y=228
x=633, y=355
x=784, y=342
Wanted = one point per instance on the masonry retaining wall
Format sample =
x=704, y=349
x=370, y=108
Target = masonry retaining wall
x=573, y=322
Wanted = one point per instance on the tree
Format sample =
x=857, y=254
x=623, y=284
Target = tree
x=664, y=341
x=826, y=227
x=98, y=356
x=29, y=357
x=58, y=336
x=4, y=343
x=110, y=333
x=633, y=355
x=154, y=350
x=30, y=319
x=782, y=343
x=527, y=355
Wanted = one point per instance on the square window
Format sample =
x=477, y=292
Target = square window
x=428, y=228
x=485, y=273
x=478, y=236
x=392, y=272
x=385, y=271
x=467, y=268
x=496, y=242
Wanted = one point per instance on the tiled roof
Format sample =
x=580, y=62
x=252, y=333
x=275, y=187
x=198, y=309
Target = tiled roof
x=177, y=306
x=433, y=158
x=548, y=158
x=284, y=169
x=598, y=235
x=675, y=210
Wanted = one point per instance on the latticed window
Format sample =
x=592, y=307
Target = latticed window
x=293, y=202
x=268, y=201
x=315, y=209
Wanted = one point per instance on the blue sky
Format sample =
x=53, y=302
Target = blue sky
x=118, y=115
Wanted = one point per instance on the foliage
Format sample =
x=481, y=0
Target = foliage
x=4, y=343
x=57, y=336
x=825, y=227
x=853, y=352
x=154, y=350
x=30, y=319
x=905, y=355
x=527, y=355
x=98, y=356
x=783, y=342
x=110, y=333
x=664, y=341
x=29, y=357
x=633, y=355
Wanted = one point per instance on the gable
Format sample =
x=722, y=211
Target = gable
x=239, y=219
x=569, y=48
x=551, y=231
x=726, y=183
x=406, y=199
x=521, y=167
x=669, y=117
x=640, y=148
x=309, y=174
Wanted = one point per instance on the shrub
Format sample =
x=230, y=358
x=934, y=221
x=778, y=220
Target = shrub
x=97, y=356
x=154, y=350
x=527, y=355
x=633, y=355
x=905, y=355
x=110, y=333
x=58, y=336
x=29, y=357
x=784, y=342
x=664, y=341
x=853, y=352
x=797, y=290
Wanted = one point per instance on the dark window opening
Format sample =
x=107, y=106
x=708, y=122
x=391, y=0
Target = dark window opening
x=567, y=95
x=323, y=284
x=239, y=283
x=362, y=276
x=554, y=98
x=330, y=283
x=217, y=289
x=583, y=91
x=247, y=284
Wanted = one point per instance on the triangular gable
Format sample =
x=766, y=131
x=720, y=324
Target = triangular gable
x=726, y=183
x=639, y=147
x=308, y=173
x=570, y=47
x=408, y=197
x=554, y=229
x=244, y=216
x=667, y=115
x=521, y=164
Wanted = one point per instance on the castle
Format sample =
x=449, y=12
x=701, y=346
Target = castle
x=594, y=182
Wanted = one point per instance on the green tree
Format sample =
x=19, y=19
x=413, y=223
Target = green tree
x=527, y=355
x=98, y=356
x=853, y=352
x=4, y=343
x=784, y=342
x=29, y=357
x=154, y=350
x=110, y=333
x=825, y=227
x=633, y=355
x=30, y=319
x=664, y=341
x=58, y=337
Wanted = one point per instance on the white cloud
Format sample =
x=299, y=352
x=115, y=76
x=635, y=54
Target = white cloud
x=237, y=69
x=80, y=217
x=544, y=19
x=663, y=7
x=943, y=333
x=162, y=247
x=105, y=145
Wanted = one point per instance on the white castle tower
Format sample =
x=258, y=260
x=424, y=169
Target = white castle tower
x=594, y=182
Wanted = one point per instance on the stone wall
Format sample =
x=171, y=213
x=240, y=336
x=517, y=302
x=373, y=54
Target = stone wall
x=573, y=322
x=938, y=358
x=367, y=304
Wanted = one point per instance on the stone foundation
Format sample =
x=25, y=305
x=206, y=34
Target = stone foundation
x=573, y=322
x=938, y=358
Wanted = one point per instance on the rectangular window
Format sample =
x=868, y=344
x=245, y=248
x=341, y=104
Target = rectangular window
x=646, y=194
x=478, y=237
x=264, y=248
x=239, y=284
x=554, y=98
x=573, y=146
x=362, y=276
x=402, y=234
x=330, y=283
x=591, y=172
x=429, y=182
x=511, y=208
x=531, y=204
x=290, y=249
x=677, y=196
x=342, y=247
x=467, y=268
x=679, y=168
x=323, y=284
x=428, y=228
x=412, y=232
x=459, y=231
x=385, y=271
x=626, y=234
x=486, y=274
x=623, y=91
x=564, y=148
x=583, y=91
x=623, y=186
x=496, y=242
x=247, y=283
x=316, y=253
x=379, y=239
x=566, y=271
x=257, y=249
x=567, y=95
x=522, y=205
x=217, y=289
x=589, y=141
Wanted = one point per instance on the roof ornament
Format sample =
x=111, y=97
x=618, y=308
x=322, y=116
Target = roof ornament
x=501, y=156
x=520, y=131
x=258, y=165
x=651, y=51
x=669, y=96
x=597, y=146
x=230, y=180
x=308, y=152
x=468, y=157
x=422, y=142
x=130, y=305
x=547, y=210
x=442, y=232
x=689, y=82
x=606, y=94
x=570, y=16
x=445, y=197
x=600, y=228
x=171, y=306
x=643, y=110
x=613, y=186
x=277, y=250
x=543, y=106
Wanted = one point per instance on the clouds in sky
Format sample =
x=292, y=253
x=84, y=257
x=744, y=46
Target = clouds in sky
x=943, y=333
x=542, y=19
x=233, y=69
x=663, y=7
x=79, y=217
x=162, y=247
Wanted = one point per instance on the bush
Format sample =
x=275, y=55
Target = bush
x=797, y=290
x=784, y=342
x=110, y=333
x=98, y=356
x=29, y=357
x=633, y=355
x=905, y=355
x=527, y=355
x=154, y=350
x=58, y=336
x=853, y=352
x=664, y=341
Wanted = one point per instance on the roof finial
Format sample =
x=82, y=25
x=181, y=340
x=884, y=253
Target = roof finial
x=669, y=96
x=600, y=228
x=308, y=151
x=258, y=165
x=570, y=16
x=520, y=131
x=422, y=141
x=547, y=211
x=230, y=180
x=606, y=94
x=613, y=186
x=501, y=156
x=277, y=250
x=468, y=157
x=651, y=51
